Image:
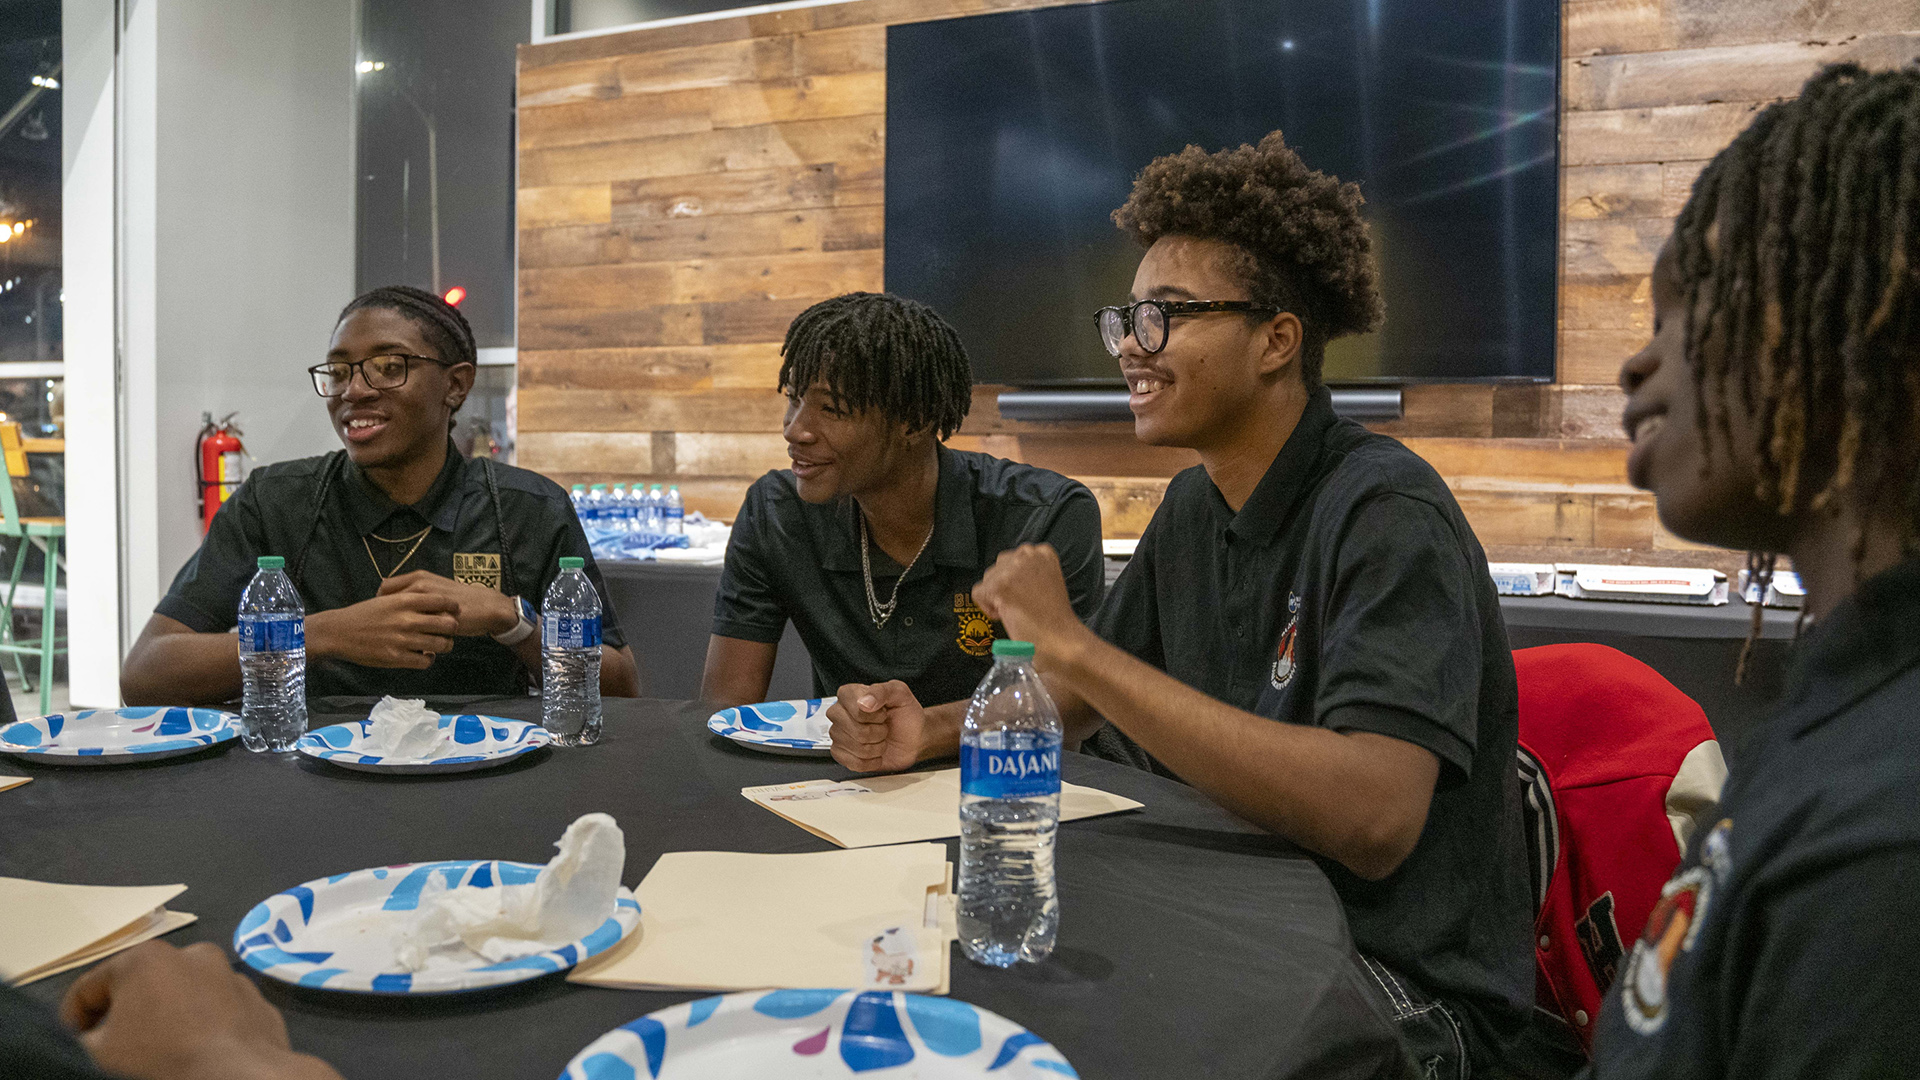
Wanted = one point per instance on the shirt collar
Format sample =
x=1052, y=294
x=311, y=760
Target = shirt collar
x=368, y=507
x=1272, y=501
x=955, y=541
x=1863, y=642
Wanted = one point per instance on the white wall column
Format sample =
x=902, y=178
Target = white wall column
x=219, y=138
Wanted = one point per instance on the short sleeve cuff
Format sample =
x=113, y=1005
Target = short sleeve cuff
x=766, y=635
x=1407, y=727
x=180, y=611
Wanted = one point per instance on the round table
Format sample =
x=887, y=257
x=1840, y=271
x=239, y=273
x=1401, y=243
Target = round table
x=1191, y=943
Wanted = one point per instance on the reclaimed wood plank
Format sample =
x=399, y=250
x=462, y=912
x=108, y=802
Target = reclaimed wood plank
x=811, y=97
x=1676, y=184
x=626, y=286
x=1610, y=303
x=670, y=367
x=616, y=452
x=1126, y=503
x=698, y=238
x=1761, y=71
x=1662, y=133
x=1589, y=192
x=566, y=204
x=801, y=142
x=1542, y=518
x=809, y=275
x=545, y=408
x=1539, y=464
x=799, y=187
x=1611, y=247
x=729, y=453
x=635, y=116
x=837, y=52
x=584, y=328
x=559, y=84
x=720, y=63
x=746, y=321
x=1593, y=357
x=1618, y=26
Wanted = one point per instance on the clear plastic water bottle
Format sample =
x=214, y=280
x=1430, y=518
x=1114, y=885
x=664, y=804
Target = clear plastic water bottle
x=570, y=657
x=619, y=510
x=273, y=659
x=1009, y=813
x=674, y=512
x=579, y=496
x=597, y=506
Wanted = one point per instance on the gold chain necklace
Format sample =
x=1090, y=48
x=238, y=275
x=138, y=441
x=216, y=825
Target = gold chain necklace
x=877, y=611
x=417, y=539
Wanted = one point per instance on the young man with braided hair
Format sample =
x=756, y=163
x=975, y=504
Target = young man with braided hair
x=872, y=541
x=1777, y=410
x=1307, y=632
x=421, y=571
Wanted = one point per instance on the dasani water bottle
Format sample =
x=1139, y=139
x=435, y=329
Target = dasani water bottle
x=673, y=513
x=273, y=659
x=1009, y=813
x=570, y=657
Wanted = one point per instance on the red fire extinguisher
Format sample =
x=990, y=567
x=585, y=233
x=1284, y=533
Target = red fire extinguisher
x=216, y=463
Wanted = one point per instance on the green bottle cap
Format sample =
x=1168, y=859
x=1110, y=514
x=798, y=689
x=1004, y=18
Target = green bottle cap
x=1004, y=647
x=581, y=488
x=575, y=562
x=656, y=487
x=599, y=487
x=271, y=562
x=620, y=488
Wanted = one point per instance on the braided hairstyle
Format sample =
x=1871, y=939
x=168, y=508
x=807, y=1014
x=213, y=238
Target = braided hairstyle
x=1798, y=253
x=885, y=352
x=1304, y=248
x=445, y=328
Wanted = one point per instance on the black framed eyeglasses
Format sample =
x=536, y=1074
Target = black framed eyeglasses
x=1147, y=320
x=387, y=372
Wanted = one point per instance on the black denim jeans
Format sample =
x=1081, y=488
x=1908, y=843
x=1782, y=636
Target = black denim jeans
x=1434, y=1037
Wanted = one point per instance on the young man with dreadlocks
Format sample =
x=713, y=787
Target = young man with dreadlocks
x=872, y=541
x=1777, y=410
x=420, y=570
x=1307, y=632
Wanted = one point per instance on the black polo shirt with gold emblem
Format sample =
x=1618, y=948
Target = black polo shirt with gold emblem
x=481, y=522
x=1785, y=944
x=1349, y=593
x=790, y=559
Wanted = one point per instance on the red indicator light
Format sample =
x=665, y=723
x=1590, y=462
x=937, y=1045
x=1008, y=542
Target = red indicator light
x=455, y=295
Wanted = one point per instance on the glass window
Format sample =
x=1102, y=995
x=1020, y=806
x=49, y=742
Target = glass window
x=435, y=193
x=30, y=182
x=568, y=16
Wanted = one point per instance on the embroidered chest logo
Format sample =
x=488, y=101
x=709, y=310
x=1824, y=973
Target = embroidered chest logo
x=1672, y=930
x=1283, y=655
x=477, y=568
x=973, y=631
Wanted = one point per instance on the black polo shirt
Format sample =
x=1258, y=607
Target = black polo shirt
x=1786, y=944
x=789, y=559
x=1349, y=593
x=512, y=543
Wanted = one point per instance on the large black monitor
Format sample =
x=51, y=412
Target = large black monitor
x=1012, y=137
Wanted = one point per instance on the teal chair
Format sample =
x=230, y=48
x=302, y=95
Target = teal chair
x=44, y=533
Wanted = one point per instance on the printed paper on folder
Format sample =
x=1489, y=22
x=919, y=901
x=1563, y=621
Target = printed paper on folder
x=901, y=808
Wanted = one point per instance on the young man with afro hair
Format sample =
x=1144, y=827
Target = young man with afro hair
x=1307, y=632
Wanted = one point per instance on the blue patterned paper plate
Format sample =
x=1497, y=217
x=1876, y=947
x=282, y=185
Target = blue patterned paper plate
x=818, y=1033
x=795, y=727
x=340, y=932
x=118, y=736
x=479, y=742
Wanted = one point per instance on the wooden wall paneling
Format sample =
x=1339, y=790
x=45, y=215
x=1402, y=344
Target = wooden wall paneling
x=686, y=189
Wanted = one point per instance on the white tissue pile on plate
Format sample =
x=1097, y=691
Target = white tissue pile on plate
x=573, y=895
x=405, y=729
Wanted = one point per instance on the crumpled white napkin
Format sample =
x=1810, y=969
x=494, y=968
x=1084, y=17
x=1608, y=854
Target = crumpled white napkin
x=573, y=895
x=404, y=728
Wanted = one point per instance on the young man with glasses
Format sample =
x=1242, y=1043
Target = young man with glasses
x=1307, y=632
x=870, y=544
x=421, y=571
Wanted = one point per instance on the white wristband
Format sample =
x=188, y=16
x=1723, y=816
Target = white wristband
x=521, y=630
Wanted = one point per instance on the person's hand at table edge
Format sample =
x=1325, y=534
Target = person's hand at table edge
x=156, y=1012
x=1025, y=592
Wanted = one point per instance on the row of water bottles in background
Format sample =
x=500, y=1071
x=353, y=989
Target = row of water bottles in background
x=624, y=524
x=273, y=658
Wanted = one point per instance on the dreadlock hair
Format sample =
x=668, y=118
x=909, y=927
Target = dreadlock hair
x=445, y=328
x=1303, y=245
x=1799, y=254
x=885, y=352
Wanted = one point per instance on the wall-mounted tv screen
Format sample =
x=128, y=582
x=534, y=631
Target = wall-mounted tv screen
x=1012, y=137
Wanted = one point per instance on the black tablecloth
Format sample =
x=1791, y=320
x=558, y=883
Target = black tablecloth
x=1190, y=943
